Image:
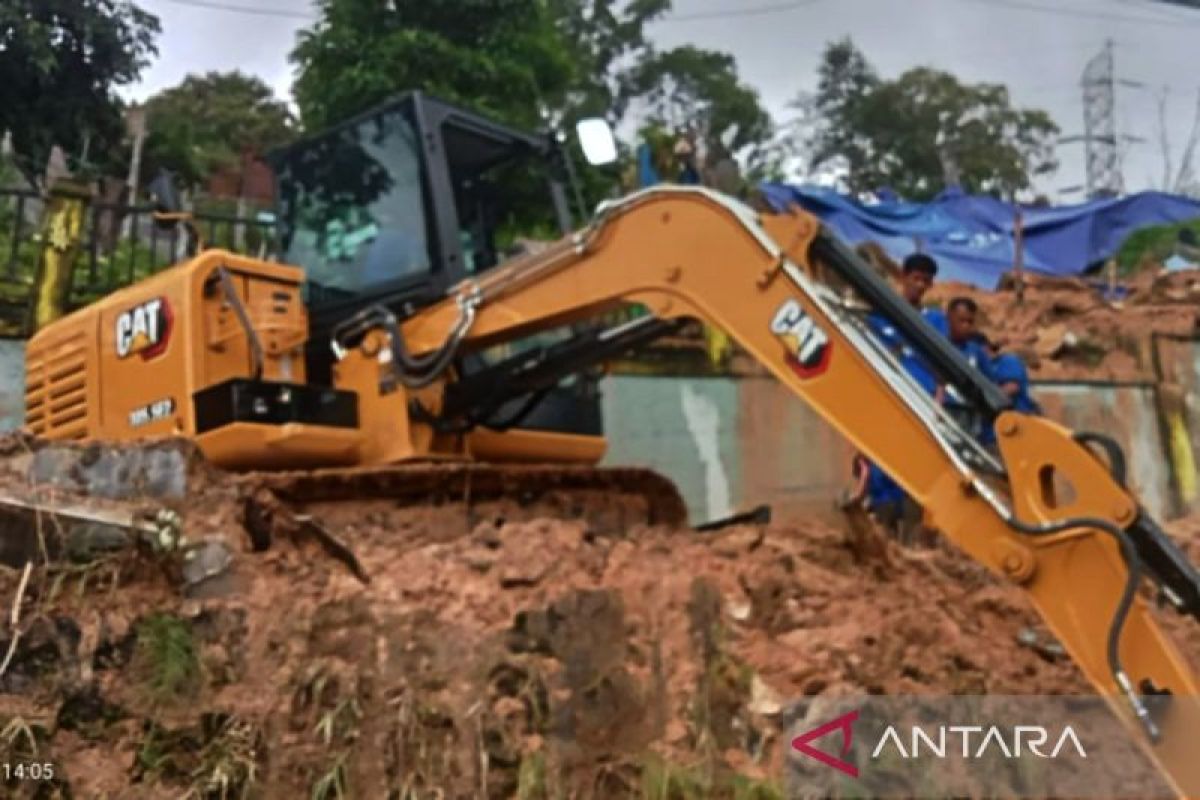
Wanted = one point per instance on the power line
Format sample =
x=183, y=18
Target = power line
x=703, y=15
x=236, y=9
x=753, y=11
x=1159, y=7
x=1078, y=14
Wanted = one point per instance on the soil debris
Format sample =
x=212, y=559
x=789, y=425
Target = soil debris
x=529, y=658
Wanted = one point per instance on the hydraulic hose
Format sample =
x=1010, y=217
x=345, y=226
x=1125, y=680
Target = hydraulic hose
x=1133, y=563
x=419, y=372
x=414, y=372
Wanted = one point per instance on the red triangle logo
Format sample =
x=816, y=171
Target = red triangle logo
x=844, y=723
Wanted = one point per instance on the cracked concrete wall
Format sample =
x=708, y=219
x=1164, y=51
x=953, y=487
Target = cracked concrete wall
x=12, y=384
x=732, y=444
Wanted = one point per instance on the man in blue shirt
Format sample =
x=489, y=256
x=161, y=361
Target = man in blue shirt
x=886, y=500
x=917, y=277
x=1008, y=371
x=962, y=320
x=962, y=315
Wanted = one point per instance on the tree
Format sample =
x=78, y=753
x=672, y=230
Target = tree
x=699, y=90
x=502, y=57
x=534, y=65
x=605, y=40
x=511, y=59
x=531, y=64
x=924, y=131
x=60, y=62
x=209, y=122
x=844, y=82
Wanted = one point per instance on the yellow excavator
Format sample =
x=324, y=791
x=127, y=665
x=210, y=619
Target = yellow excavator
x=406, y=355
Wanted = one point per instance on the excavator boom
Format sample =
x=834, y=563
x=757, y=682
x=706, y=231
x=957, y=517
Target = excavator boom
x=687, y=252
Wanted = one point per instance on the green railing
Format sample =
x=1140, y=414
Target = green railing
x=93, y=247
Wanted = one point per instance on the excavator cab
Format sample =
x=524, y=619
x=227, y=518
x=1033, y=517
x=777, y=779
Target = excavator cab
x=396, y=205
x=392, y=208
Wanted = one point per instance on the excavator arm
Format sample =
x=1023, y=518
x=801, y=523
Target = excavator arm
x=1079, y=554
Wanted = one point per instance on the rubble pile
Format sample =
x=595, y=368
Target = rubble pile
x=1064, y=328
x=1073, y=329
x=533, y=658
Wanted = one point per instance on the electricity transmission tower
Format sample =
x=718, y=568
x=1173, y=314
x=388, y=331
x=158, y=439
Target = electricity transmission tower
x=1100, y=140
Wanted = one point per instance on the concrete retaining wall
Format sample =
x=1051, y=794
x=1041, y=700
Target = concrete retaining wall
x=12, y=384
x=1129, y=414
x=728, y=444
x=731, y=444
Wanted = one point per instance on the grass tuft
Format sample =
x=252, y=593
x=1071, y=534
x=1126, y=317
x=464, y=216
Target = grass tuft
x=168, y=655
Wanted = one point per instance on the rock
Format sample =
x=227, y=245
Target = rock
x=486, y=534
x=480, y=559
x=207, y=561
x=514, y=574
x=763, y=699
x=738, y=610
x=531, y=551
x=92, y=540
x=1051, y=340
x=740, y=540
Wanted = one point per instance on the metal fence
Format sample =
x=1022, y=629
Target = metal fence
x=118, y=245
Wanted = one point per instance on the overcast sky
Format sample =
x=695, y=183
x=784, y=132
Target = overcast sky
x=1037, y=47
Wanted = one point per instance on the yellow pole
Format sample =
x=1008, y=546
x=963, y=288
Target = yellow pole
x=62, y=232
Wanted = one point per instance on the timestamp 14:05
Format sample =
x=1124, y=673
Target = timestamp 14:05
x=26, y=771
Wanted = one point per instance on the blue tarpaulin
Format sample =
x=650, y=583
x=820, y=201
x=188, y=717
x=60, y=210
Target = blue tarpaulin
x=971, y=236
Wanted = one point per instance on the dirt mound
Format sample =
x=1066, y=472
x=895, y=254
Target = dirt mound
x=1069, y=328
x=528, y=657
x=1064, y=328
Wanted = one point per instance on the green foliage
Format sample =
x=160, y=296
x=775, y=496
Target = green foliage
x=516, y=61
x=748, y=789
x=845, y=81
x=663, y=780
x=1155, y=242
x=168, y=656
x=500, y=57
x=60, y=62
x=208, y=122
x=128, y=263
x=924, y=130
x=531, y=65
x=531, y=777
x=700, y=90
x=23, y=263
x=332, y=784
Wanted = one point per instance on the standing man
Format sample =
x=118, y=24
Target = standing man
x=917, y=276
x=891, y=506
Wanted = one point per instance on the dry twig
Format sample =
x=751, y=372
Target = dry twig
x=14, y=617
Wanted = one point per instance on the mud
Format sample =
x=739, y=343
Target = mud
x=510, y=656
x=1064, y=328
x=1067, y=329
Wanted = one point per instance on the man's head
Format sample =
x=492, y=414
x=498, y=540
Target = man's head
x=960, y=316
x=918, y=273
